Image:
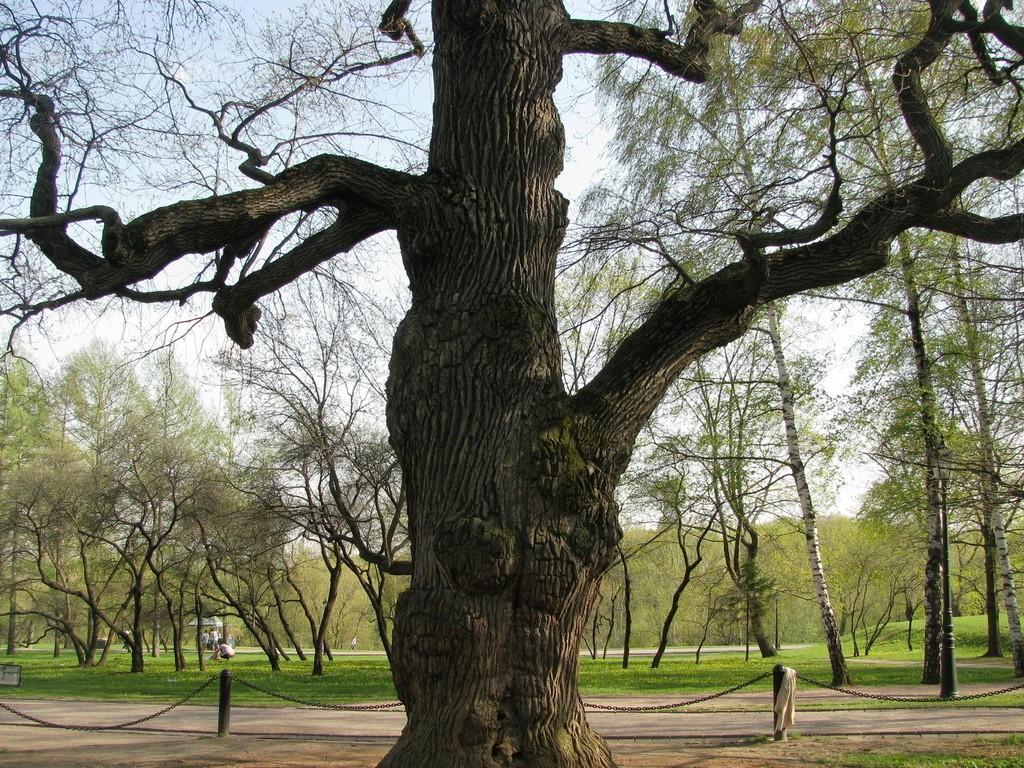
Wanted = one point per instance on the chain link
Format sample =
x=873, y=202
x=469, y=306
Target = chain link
x=677, y=704
x=164, y=711
x=910, y=699
x=590, y=705
x=318, y=705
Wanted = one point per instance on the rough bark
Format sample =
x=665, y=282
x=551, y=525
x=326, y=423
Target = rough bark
x=512, y=521
x=833, y=638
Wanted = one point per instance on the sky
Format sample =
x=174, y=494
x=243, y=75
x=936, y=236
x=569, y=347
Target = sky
x=587, y=138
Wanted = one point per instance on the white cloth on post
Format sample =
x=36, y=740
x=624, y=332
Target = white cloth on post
x=785, y=702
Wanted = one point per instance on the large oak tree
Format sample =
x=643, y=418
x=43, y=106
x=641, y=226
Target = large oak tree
x=511, y=481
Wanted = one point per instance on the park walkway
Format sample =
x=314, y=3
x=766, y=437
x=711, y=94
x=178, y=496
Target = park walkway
x=742, y=714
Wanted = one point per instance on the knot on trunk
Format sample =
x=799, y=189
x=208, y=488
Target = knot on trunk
x=478, y=553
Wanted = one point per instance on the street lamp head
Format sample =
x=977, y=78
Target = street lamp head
x=944, y=460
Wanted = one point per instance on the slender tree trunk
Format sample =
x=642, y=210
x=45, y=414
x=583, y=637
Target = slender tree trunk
x=991, y=511
x=908, y=614
x=689, y=567
x=374, y=591
x=833, y=639
x=669, y=618
x=758, y=614
x=627, y=607
x=106, y=648
x=12, y=590
x=757, y=604
x=993, y=649
x=932, y=445
x=320, y=641
x=138, y=632
x=286, y=625
x=1009, y=592
x=200, y=650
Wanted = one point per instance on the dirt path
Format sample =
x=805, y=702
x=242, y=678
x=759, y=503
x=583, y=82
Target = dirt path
x=710, y=736
x=30, y=747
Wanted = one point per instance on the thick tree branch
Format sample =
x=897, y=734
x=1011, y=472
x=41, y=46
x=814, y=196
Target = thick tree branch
x=368, y=196
x=688, y=61
x=906, y=79
x=686, y=323
x=689, y=322
x=236, y=222
x=997, y=230
x=235, y=303
x=141, y=248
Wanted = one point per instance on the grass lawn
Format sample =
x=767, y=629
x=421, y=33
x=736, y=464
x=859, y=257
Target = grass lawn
x=353, y=677
x=928, y=761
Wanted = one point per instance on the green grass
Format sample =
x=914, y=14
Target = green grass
x=927, y=761
x=353, y=677
x=349, y=678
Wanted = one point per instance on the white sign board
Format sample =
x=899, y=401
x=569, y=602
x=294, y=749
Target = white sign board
x=10, y=674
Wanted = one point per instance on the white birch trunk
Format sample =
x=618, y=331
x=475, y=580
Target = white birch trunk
x=989, y=494
x=840, y=673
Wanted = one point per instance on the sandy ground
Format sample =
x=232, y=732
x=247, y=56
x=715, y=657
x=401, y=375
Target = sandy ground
x=29, y=747
x=715, y=734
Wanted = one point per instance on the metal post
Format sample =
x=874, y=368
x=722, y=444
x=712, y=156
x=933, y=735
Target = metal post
x=948, y=685
x=778, y=673
x=224, y=705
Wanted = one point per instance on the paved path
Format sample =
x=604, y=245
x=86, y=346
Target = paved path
x=741, y=714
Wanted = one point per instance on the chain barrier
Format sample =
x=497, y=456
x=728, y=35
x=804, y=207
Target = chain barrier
x=910, y=699
x=164, y=711
x=677, y=704
x=318, y=705
x=590, y=705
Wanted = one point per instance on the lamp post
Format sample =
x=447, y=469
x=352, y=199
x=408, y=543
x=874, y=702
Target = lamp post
x=948, y=684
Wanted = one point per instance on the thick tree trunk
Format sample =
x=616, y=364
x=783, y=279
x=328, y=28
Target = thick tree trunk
x=932, y=443
x=833, y=638
x=137, y=646
x=511, y=526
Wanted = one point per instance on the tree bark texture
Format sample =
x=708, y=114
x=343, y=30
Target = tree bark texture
x=833, y=638
x=932, y=442
x=511, y=523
